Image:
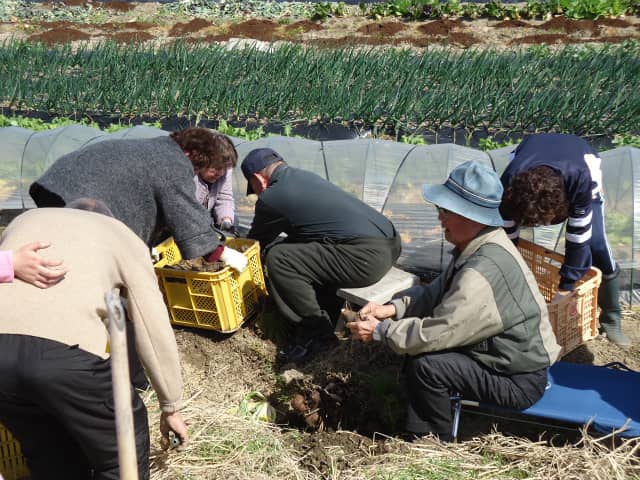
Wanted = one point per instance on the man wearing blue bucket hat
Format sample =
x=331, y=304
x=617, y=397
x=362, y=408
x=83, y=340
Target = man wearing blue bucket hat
x=481, y=328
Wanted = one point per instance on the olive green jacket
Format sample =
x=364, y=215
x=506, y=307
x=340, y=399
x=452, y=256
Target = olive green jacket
x=486, y=304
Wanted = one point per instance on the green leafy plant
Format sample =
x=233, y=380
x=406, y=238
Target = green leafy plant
x=489, y=143
x=627, y=140
x=37, y=124
x=494, y=9
x=241, y=132
x=500, y=91
x=323, y=10
x=533, y=9
x=413, y=139
x=580, y=9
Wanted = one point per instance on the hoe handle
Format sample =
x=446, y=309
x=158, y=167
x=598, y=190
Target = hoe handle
x=121, y=386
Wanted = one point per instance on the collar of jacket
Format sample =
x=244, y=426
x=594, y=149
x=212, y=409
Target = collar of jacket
x=487, y=234
x=275, y=175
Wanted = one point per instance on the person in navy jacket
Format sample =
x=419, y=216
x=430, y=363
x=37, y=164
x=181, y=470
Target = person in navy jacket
x=552, y=178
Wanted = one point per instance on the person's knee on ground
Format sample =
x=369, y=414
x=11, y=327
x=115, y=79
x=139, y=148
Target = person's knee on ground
x=611, y=311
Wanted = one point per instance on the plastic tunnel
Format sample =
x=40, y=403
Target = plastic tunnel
x=386, y=175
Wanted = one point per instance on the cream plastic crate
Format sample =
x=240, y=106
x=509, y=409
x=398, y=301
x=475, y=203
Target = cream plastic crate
x=575, y=318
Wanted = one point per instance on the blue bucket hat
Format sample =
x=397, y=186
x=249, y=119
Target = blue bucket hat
x=472, y=191
x=256, y=160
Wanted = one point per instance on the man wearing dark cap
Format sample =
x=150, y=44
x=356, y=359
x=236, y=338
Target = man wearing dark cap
x=481, y=328
x=334, y=240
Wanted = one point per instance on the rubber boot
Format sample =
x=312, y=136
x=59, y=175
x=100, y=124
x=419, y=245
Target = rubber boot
x=610, y=311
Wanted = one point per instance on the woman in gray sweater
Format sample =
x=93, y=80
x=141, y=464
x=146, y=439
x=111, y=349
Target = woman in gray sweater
x=148, y=185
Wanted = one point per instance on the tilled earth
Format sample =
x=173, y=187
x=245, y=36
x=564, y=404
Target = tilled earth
x=129, y=23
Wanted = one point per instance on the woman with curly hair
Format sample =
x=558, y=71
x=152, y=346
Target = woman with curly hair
x=555, y=177
x=147, y=183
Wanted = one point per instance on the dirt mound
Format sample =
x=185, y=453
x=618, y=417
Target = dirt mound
x=569, y=26
x=315, y=450
x=117, y=5
x=59, y=35
x=332, y=32
x=351, y=387
x=440, y=28
x=303, y=26
x=255, y=28
x=182, y=29
x=381, y=29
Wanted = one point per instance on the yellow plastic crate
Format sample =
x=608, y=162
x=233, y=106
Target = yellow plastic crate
x=12, y=464
x=575, y=318
x=220, y=301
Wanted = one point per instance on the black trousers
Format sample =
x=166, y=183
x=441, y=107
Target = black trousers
x=57, y=400
x=430, y=380
x=304, y=277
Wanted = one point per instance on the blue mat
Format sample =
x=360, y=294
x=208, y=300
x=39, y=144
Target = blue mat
x=605, y=396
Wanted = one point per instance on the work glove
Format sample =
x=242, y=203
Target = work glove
x=234, y=259
x=226, y=225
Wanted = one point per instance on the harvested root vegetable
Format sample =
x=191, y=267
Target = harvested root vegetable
x=313, y=420
x=299, y=403
x=350, y=315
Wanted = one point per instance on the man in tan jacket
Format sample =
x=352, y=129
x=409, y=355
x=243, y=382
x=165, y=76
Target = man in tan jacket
x=55, y=373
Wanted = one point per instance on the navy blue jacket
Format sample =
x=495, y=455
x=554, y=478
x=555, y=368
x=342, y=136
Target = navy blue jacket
x=579, y=165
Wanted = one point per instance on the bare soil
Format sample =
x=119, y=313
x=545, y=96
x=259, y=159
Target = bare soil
x=350, y=394
x=123, y=26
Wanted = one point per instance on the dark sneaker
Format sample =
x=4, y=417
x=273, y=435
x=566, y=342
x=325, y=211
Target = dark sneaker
x=301, y=352
x=293, y=352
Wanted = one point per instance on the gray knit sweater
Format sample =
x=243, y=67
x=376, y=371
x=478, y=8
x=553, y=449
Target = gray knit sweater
x=147, y=184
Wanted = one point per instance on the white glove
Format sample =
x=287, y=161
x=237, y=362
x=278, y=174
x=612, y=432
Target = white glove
x=234, y=259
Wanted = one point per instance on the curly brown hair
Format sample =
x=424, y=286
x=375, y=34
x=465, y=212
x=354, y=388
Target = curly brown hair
x=536, y=197
x=207, y=148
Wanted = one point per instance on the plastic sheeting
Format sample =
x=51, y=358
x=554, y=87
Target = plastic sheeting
x=386, y=175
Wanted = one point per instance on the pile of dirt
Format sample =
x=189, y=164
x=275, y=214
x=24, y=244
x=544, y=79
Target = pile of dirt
x=197, y=265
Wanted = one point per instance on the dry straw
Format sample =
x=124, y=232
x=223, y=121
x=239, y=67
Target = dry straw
x=225, y=445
